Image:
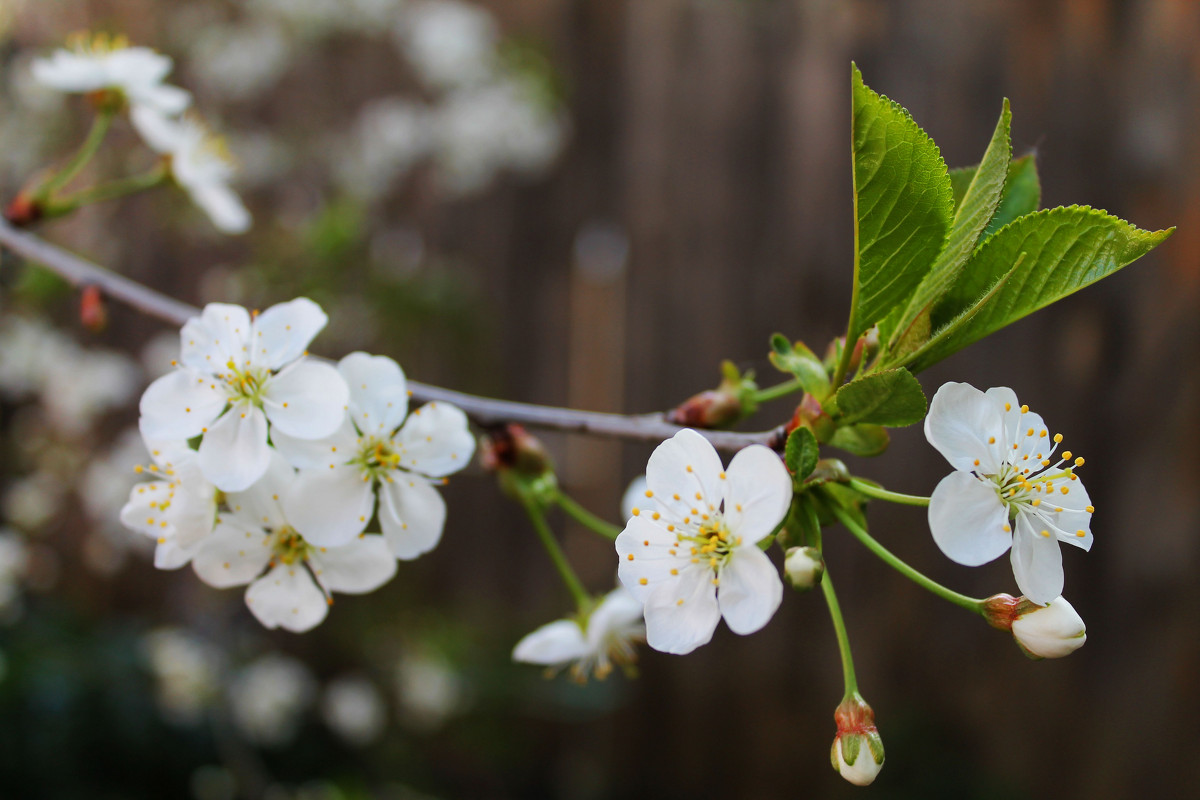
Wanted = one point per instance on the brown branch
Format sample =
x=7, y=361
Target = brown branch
x=483, y=410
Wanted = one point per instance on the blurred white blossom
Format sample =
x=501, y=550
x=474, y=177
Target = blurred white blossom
x=390, y=136
x=187, y=673
x=430, y=689
x=450, y=43
x=240, y=61
x=268, y=698
x=354, y=709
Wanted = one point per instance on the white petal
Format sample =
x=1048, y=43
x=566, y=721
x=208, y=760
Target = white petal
x=1022, y=429
x=143, y=513
x=329, y=507
x=356, y=568
x=435, y=440
x=164, y=98
x=286, y=597
x=219, y=335
x=306, y=400
x=558, y=642
x=70, y=72
x=234, y=452
x=378, y=392
x=179, y=405
x=337, y=448
x=634, y=497
x=1074, y=517
x=223, y=206
x=1036, y=562
x=160, y=133
x=170, y=555
x=412, y=515
x=168, y=452
x=137, y=66
x=680, y=627
x=750, y=590
x=231, y=556
x=285, y=330
x=960, y=422
x=758, y=491
x=261, y=505
x=647, y=551
x=968, y=520
x=685, y=465
x=619, y=613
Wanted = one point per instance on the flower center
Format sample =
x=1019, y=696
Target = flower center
x=712, y=542
x=376, y=457
x=244, y=383
x=98, y=44
x=289, y=546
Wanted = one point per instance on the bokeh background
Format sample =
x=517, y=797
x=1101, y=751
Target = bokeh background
x=593, y=202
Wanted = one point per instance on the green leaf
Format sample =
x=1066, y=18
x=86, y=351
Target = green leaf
x=902, y=206
x=861, y=440
x=1055, y=253
x=892, y=397
x=802, y=453
x=1022, y=191
x=974, y=212
x=798, y=360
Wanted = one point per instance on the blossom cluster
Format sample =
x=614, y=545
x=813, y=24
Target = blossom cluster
x=270, y=466
x=117, y=75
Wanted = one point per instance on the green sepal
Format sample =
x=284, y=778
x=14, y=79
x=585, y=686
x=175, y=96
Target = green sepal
x=864, y=439
x=802, y=526
x=801, y=453
x=875, y=744
x=796, y=359
x=828, y=470
x=851, y=744
x=892, y=397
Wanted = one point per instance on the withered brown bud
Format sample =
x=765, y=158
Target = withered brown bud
x=510, y=446
x=23, y=211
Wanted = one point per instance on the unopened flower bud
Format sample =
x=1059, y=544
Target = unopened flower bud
x=92, y=311
x=23, y=210
x=720, y=407
x=512, y=447
x=804, y=567
x=1051, y=631
x=857, y=752
x=811, y=415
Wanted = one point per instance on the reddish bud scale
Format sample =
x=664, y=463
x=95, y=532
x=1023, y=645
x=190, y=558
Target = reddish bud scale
x=512, y=447
x=1001, y=610
x=23, y=211
x=92, y=311
x=712, y=408
x=811, y=415
x=853, y=715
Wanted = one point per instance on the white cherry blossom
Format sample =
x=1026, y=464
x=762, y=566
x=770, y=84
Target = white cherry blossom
x=290, y=580
x=1052, y=631
x=97, y=63
x=179, y=510
x=239, y=376
x=1008, y=489
x=690, y=552
x=200, y=163
x=377, y=453
x=589, y=646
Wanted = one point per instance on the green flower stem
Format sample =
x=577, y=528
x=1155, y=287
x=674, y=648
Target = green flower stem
x=879, y=493
x=839, y=628
x=777, y=391
x=88, y=149
x=969, y=603
x=586, y=518
x=574, y=585
x=107, y=191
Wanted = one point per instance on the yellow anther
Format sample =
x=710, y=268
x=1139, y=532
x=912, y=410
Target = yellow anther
x=1066, y=456
x=630, y=556
x=1057, y=438
x=149, y=520
x=695, y=561
x=1008, y=406
x=716, y=581
x=721, y=476
x=977, y=462
x=1090, y=509
x=643, y=581
x=162, y=540
x=1036, y=502
x=139, y=469
x=637, y=512
x=712, y=561
x=689, y=469
x=698, y=497
x=1065, y=490
x=679, y=602
x=1029, y=432
x=991, y=440
x=676, y=496
x=1081, y=533
x=649, y=493
x=1014, y=446
x=1024, y=409
x=1007, y=528
x=655, y=515
x=738, y=506
x=646, y=543
x=1079, y=461
x=1045, y=462
x=671, y=528
x=674, y=572
x=1042, y=435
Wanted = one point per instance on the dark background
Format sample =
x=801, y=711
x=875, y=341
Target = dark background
x=713, y=136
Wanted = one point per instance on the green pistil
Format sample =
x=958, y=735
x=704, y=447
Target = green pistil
x=376, y=458
x=290, y=546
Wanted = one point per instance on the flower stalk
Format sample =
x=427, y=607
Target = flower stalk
x=582, y=599
x=87, y=150
x=879, y=493
x=584, y=517
x=843, y=639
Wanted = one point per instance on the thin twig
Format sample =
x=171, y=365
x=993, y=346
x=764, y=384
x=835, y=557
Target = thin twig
x=483, y=410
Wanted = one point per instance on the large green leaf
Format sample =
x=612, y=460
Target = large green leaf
x=1022, y=191
x=1055, y=253
x=902, y=206
x=973, y=213
x=891, y=397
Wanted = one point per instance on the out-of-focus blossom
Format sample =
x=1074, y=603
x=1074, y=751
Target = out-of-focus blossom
x=200, y=163
x=450, y=43
x=354, y=709
x=101, y=62
x=187, y=672
x=590, y=647
x=390, y=136
x=268, y=698
x=429, y=688
x=240, y=62
x=33, y=500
